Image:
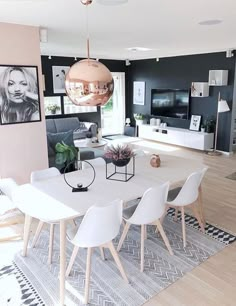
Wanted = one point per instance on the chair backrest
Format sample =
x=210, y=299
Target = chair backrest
x=152, y=205
x=189, y=192
x=99, y=161
x=100, y=225
x=7, y=185
x=44, y=174
x=6, y=204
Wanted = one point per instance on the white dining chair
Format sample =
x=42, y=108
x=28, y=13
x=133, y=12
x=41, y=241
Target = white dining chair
x=35, y=177
x=99, y=226
x=188, y=194
x=148, y=211
x=7, y=185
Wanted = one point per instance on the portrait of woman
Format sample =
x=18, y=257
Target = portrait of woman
x=19, y=95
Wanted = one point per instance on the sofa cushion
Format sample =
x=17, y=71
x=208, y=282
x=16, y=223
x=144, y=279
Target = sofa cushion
x=50, y=126
x=66, y=124
x=54, y=138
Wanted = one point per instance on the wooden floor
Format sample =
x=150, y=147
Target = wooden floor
x=214, y=281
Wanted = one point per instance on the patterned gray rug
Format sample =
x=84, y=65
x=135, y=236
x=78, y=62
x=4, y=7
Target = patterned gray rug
x=107, y=286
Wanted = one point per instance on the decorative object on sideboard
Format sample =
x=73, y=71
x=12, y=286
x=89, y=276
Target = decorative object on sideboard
x=155, y=160
x=195, y=123
x=120, y=156
x=88, y=81
x=80, y=186
x=222, y=107
x=139, y=118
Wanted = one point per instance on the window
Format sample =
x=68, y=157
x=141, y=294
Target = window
x=70, y=108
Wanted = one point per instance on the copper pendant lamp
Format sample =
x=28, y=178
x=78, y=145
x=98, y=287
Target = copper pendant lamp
x=89, y=82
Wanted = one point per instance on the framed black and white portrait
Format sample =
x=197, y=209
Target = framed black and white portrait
x=58, y=77
x=19, y=94
x=195, y=122
x=139, y=93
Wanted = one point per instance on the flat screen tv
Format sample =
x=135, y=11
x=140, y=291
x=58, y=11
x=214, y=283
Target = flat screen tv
x=172, y=103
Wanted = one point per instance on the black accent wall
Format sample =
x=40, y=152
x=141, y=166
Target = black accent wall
x=112, y=65
x=179, y=72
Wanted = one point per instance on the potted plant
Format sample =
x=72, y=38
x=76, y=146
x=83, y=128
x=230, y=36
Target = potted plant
x=119, y=155
x=139, y=118
x=65, y=156
x=52, y=108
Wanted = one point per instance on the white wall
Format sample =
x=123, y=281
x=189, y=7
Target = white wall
x=23, y=147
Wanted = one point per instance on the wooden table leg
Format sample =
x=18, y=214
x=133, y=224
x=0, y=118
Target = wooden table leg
x=28, y=220
x=62, y=260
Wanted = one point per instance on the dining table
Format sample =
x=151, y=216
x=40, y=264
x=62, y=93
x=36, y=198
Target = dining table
x=52, y=200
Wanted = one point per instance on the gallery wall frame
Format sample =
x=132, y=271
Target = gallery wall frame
x=195, y=122
x=139, y=93
x=19, y=94
x=58, y=78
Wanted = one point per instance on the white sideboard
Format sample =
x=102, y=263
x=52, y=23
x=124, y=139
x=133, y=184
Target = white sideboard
x=177, y=136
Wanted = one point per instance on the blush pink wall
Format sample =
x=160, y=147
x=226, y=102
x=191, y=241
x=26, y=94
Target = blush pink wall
x=23, y=147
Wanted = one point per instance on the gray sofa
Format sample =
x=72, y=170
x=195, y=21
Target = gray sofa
x=79, y=128
x=68, y=130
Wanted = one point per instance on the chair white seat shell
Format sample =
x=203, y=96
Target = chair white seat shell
x=149, y=210
x=189, y=194
x=100, y=225
x=35, y=177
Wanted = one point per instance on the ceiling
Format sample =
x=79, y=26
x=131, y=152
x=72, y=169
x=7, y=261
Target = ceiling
x=167, y=27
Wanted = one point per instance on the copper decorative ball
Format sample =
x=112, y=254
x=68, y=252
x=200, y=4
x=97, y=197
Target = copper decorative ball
x=89, y=82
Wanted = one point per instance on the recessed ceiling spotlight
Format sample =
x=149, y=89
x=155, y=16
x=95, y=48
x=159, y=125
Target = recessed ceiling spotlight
x=112, y=2
x=135, y=49
x=210, y=22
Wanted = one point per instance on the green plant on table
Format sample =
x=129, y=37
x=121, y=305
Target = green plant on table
x=65, y=154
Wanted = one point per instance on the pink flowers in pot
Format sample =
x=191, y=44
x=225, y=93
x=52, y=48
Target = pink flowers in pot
x=119, y=152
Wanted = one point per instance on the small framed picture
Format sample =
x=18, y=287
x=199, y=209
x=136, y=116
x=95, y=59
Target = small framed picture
x=195, y=123
x=58, y=77
x=19, y=94
x=139, y=93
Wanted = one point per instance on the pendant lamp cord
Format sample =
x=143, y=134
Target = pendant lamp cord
x=87, y=30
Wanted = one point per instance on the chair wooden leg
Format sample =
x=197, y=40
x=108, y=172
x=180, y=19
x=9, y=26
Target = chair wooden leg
x=183, y=226
x=164, y=237
x=87, y=275
x=28, y=220
x=117, y=260
x=145, y=231
x=176, y=213
x=102, y=253
x=142, y=247
x=72, y=260
x=51, y=237
x=198, y=217
x=200, y=203
x=37, y=233
x=122, y=238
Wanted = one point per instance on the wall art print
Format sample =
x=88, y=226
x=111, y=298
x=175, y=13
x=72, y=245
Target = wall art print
x=19, y=94
x=139, y=93
x=195, y=122
x=58, y=77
